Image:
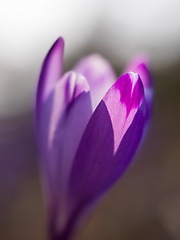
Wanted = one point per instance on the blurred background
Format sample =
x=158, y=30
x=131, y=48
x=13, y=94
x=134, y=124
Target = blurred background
x=145, y=204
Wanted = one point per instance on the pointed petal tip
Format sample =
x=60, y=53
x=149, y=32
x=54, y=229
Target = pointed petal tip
x=58, y=43
x=82, y=85
x=134, y=77
x=140, y=64
x=57, y=47
x=131, y=89
x=51, y=70
x=74, y=84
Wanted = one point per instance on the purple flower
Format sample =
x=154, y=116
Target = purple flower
x=89, y=127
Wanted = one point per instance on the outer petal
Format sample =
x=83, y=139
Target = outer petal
x=51, y=72
x=140, y=65
x=99, y=74
x=62, y=121
x=109, y=142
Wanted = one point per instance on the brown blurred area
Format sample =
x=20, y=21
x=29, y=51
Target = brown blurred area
x=144, y=204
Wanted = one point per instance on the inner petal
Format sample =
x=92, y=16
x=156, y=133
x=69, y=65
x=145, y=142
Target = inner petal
x=99, y=73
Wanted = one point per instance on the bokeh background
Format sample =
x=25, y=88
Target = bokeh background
x=145, y=204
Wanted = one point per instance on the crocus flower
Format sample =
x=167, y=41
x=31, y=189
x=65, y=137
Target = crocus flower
x=89, y=127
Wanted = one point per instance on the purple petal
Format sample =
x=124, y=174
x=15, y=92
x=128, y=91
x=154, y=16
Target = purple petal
x=99, y=73
x=140, y=65
x=63, y=119
x=71, y=111
x=109, y=141
x=50, y=72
